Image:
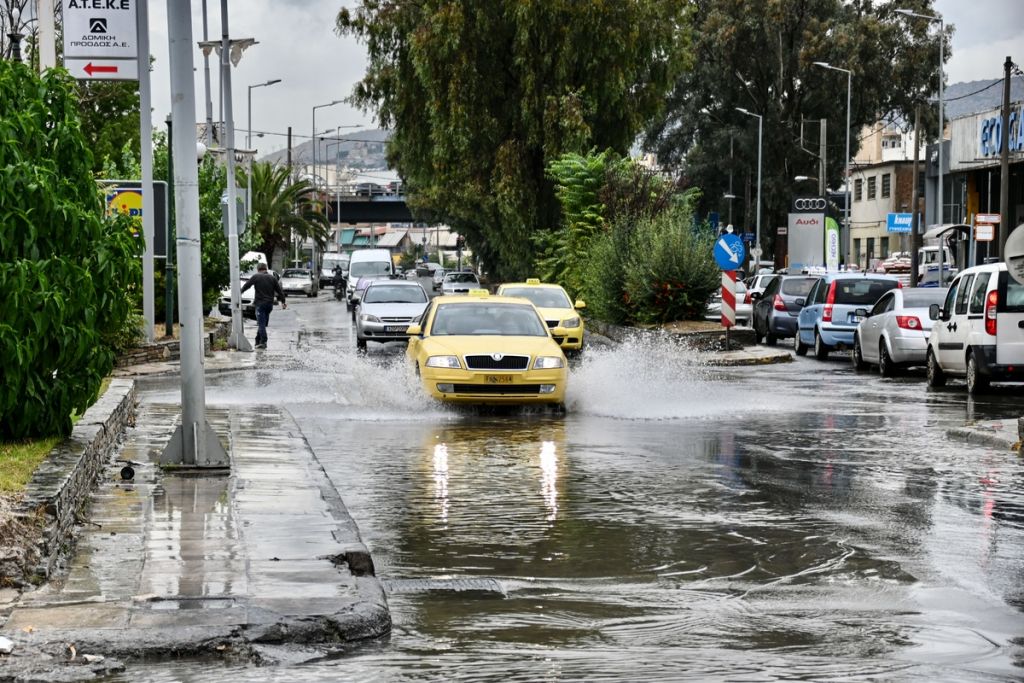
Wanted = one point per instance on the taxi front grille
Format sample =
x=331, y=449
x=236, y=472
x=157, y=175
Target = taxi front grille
x=502, y=389
x=552, y=323
x=488, y=362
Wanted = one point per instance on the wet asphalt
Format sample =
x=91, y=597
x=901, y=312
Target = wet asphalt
x=795, y=521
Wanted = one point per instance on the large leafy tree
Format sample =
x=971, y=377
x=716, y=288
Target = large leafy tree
x=67, y=274
x=110, y=120
x=759, y=55
x=482, y=95
x=281, y=207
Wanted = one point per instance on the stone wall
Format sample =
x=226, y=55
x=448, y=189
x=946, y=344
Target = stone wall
x=61, y=485
x=698, y=340
x=161, y=351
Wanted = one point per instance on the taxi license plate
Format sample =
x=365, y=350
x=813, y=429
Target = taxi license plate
x=396, y=328
x=499, y=379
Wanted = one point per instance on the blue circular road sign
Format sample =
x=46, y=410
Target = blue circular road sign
x=729, y=252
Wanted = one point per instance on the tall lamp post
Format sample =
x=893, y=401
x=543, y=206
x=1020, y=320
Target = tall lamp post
x=942, y=55
x=757, y=235
x=15, y=35
x=316, y=143
x=848, y=242
x=248, y=144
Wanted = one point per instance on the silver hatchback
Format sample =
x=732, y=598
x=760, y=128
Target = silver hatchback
x=894, y=332
x=386, y=310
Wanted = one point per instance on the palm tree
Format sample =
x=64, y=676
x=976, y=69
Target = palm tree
x=282, y=207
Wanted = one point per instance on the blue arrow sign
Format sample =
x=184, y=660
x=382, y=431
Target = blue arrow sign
x=729, y=252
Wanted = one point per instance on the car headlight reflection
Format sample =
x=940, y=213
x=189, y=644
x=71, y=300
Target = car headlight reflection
x=451, y=362
x=367, y=318
x=548, y=363
x=571, y=322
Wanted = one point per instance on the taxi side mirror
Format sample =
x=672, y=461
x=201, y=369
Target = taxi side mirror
x=580, y=304
x=934, y=312
x=414, y=330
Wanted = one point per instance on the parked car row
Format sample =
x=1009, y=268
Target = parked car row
x=974, y=329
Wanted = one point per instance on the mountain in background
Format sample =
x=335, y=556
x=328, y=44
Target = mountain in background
x=972, y=97
x=359, y=149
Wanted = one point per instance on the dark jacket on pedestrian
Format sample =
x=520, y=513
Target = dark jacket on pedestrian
x=266, y=286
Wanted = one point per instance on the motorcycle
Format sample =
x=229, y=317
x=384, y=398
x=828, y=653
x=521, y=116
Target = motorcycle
x=339, y=287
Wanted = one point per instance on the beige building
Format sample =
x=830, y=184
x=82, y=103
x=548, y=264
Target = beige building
x=882, y=183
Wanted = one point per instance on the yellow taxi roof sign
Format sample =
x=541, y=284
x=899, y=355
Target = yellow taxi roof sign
x=533, y=281
x=478, y=292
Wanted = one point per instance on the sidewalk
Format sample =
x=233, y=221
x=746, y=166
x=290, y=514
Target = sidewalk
x=1003, y=434
x=207, y=563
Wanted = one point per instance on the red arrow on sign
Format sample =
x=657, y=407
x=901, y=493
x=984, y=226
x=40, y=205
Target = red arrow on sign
x=90, y=69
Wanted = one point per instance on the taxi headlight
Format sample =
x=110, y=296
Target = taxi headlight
x=548, y=363
x=571, y=322
x=451, y=362
x=367, y=318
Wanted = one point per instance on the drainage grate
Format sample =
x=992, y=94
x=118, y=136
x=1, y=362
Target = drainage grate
x=456, y=585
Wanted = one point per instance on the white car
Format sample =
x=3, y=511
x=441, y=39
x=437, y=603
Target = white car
x=298, y=281
x=894, y=333
x=743, y=305
x=979, y=330
x=458, y=282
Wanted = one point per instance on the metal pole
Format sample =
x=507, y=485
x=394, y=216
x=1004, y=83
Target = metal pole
x=46, y=44
x=757, y=237
x=169, y=261
x=146, y=148
x=193, y=442
x=206, y=82
x=848, y=242
x=1004, y=161
x=942, y=132
x=237, y=339
x=915, y=222
x=822, y=157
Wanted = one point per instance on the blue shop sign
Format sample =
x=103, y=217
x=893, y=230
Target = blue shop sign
x=990, y=134
x=900, y=222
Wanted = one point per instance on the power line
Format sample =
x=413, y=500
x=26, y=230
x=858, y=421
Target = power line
x=972, y=94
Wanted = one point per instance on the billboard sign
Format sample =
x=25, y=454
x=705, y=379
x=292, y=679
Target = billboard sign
x=101, y=40
x=125, y=196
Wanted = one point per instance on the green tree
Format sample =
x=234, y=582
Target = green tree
x=759, y=55
x=282, y=206
x=110, y=121
x=481, y=96
x=67, y=273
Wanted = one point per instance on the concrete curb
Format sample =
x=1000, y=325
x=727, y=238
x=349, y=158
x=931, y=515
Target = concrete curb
x=700, y=345
x=60, y=487
x=1002, y=434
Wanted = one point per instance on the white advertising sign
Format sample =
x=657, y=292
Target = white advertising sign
x=806, y=233
x=1015, y=254
x=983, y=232
x=103, y=69
x=104, y=29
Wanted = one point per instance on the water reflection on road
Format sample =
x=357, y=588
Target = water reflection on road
x=677, y=523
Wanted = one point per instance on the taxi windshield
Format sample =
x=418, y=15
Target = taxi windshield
x=541, y=297
x=488, y=318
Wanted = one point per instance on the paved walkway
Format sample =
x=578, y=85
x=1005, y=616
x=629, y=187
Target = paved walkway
x=171, y=562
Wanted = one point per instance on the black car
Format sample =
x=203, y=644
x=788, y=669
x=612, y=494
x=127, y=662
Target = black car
x=774, y=313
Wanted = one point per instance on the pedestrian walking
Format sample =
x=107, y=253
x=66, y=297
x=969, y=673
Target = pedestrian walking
x=267, y=288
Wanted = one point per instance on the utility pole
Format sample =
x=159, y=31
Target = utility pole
x=194, y=443
x=822, y=158
x=1004, y=161
x=146, y=149
x=206, y=82
x=915, y=227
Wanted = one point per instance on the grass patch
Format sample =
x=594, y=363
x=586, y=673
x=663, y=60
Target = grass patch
x=19, y=459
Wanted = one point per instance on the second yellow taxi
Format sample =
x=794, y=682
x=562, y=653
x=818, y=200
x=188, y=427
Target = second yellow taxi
x=487, y=350
x=560, y=313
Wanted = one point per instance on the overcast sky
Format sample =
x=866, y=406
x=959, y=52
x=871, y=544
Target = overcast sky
x=297, y=44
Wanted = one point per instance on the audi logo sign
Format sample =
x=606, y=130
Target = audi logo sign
x=812, y=204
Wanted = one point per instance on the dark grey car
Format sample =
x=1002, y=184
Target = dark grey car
x=775, y=310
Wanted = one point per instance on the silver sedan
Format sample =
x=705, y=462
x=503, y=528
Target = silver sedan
x=386, y=310
x=894, y=333
x=459, y=283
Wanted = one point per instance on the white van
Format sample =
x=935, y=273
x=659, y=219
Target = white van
x=330, y=260
x=375, y=263
x=979, y=330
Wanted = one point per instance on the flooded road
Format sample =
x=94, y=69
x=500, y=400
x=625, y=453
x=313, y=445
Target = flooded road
x=796, y=521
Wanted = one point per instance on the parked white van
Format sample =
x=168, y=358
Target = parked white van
x=374, y=263
x=978, y=332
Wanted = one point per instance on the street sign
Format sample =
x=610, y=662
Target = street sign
x=102, y=69
x=713, y=220
x=987, y=218
x=728, y=299
x=983, y=232
x=1014, y=251
x=782, y=230
x=748, y=237
x=101, y=39
x=729, y=252
x=899, y=222
x=125, y=196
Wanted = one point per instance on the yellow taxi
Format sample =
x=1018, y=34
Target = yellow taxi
x=487, y=350
x=560, y=313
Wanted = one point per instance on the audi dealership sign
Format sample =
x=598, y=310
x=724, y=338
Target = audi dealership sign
x=809, y=205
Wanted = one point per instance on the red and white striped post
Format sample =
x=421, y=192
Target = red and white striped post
x=728, y=303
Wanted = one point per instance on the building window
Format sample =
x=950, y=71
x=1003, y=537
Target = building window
x=858, y=187
x=871, y=187
x=886, y=184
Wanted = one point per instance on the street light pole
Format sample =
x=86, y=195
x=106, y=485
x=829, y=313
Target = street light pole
x=313, y=265
x=942, y=127
x=15, y=35
x=757, y=235
x=248, y=145
x=848, y=242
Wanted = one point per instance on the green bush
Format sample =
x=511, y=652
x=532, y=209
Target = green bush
x=67, y=274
